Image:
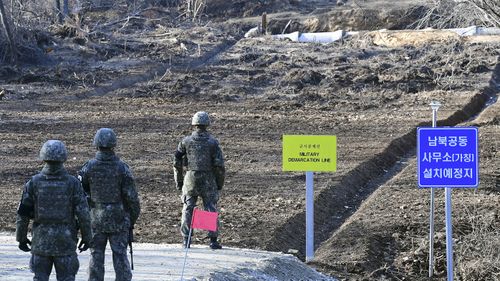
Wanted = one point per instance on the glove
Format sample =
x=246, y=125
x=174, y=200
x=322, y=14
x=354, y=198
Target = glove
x=84, y=246
x=23, y=246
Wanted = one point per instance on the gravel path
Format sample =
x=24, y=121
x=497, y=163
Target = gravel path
x=165, y=261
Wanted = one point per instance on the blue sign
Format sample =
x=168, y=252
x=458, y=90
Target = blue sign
x=447, y=157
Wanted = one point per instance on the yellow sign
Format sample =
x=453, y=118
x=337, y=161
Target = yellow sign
x=309, y=153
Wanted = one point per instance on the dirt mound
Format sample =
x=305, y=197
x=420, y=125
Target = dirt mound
x=413, y=37
x=346, y=18
x=283, y=268
x=242, y=8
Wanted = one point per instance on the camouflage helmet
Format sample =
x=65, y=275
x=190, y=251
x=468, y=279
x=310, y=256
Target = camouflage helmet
x=53, y=150
x=105, y=137
x=200, y=118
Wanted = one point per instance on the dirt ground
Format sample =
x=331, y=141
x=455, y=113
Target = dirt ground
x=165, y=262
x=146, y=76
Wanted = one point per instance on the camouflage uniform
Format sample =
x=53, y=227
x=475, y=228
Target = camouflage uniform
x=54, y=200
x=200, y=153
x=114, y=208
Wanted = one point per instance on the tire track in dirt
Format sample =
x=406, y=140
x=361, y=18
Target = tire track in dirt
x=157, y=69
x=363, y=180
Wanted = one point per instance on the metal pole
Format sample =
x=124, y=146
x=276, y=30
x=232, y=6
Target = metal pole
x=188, y=243
x=435, y=106
x=449, y=237
x=309, y=216
x=431, y=236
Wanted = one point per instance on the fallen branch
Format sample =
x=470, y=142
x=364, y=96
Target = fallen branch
x=459, y=13
x=488, y=10
x=127, y=19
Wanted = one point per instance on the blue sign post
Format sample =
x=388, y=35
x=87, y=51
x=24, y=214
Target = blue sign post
x=447, y=158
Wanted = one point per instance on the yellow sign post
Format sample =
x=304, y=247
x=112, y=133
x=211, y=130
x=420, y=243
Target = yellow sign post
x=309, y=154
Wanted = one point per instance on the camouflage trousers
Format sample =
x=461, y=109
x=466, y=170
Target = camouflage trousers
x=209, y=204
x=118, y=242
x=66, y=267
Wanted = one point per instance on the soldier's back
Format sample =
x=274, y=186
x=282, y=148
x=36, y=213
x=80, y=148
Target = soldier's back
x=105, y=175
x=54, y=228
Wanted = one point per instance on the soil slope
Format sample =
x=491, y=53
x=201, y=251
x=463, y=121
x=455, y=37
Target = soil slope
x=146, y=78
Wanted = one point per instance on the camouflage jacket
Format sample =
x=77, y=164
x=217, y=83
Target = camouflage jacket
x=114, y=202
x=202, y=157
x=56, y=202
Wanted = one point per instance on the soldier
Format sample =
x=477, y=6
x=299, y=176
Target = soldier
x=200, y=153
x=54, y=200
x=114, y=206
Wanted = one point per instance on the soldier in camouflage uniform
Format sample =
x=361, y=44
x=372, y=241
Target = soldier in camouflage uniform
x=114, y=206
x=54, y=200
x=202, y=157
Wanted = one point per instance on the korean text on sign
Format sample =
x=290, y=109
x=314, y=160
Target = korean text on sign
x=447, y=157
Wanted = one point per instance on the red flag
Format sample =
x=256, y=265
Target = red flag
x=204, y=220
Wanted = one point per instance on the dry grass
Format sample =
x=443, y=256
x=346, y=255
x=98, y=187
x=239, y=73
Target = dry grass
x=194, y=8
x=459, y=13
x=477, y=254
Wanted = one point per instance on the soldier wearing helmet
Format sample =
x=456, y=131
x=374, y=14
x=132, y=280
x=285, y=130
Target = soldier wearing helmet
x=114, y=206
x=201, y=157
x=54, y=200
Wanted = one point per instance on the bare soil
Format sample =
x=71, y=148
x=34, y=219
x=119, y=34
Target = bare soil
x=145, y=77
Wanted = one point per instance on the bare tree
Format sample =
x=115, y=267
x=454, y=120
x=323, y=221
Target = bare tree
x=8, y=33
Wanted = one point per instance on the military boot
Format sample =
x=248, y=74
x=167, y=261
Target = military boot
x=186, y=243
x=214, y=245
